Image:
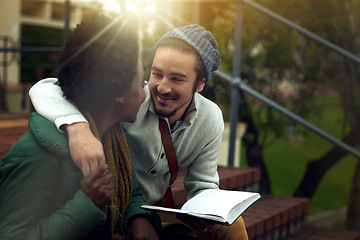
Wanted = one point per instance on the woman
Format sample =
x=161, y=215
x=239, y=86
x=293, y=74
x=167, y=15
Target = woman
x=43, y=194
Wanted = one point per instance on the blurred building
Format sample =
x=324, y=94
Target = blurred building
x=19, y=20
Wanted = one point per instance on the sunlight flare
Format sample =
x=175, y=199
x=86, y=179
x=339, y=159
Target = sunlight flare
x=111, y=5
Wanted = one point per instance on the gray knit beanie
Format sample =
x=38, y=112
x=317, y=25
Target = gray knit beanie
x=203, y=42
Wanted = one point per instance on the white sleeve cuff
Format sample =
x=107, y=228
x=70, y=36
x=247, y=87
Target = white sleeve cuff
x=74, y=118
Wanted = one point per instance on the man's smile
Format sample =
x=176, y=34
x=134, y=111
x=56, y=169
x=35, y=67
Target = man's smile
x=163, y=99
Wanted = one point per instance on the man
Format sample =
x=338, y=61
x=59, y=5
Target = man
x=183, y=60
x=43, y=194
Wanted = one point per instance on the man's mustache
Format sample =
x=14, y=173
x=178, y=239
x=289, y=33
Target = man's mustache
x=166, y=95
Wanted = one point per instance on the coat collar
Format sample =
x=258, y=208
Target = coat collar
x=47, y=135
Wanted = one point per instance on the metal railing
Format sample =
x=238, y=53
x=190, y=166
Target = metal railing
x=238, y=85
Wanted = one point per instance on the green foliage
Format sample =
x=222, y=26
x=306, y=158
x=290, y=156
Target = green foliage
x=289, y=154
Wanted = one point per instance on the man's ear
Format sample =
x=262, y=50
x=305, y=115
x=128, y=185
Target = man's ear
x=200, y=86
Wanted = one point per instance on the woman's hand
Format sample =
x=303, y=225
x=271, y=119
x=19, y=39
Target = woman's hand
x=98, y=186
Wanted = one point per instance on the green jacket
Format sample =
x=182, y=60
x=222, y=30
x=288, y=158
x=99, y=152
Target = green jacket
x=40, y=195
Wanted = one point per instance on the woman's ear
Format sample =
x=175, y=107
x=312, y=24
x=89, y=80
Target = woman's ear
x=119, y=99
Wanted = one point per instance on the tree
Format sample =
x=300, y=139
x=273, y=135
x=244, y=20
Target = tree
x=274, y=54
x=338, y=22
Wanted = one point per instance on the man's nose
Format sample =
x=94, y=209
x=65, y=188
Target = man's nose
x=164, y=86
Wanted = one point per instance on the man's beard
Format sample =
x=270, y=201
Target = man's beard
x=172, y=113
x=161, y=113
x=165, y=115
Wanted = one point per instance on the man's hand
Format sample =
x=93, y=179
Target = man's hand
x=141, y=228
x=98, y=186
x=85, y=149
x=199, y=224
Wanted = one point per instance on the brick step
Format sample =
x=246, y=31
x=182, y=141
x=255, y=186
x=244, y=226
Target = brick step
x=314, y=233
x=275, y=217
x=12, y=127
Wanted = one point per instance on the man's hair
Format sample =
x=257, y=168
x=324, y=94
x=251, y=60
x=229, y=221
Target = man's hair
x=182, y=46
x=99, y=61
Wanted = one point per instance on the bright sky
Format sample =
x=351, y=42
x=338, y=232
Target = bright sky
x=111, y=5
x=130, y=5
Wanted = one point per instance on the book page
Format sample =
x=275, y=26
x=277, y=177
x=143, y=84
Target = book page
x=171, y=213
x=217, y=202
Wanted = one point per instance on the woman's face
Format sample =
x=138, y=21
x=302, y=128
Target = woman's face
x=134, y=97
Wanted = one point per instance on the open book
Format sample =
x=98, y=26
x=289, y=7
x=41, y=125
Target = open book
x=221, y=206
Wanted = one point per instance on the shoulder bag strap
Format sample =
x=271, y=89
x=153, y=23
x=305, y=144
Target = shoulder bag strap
x=167, y=200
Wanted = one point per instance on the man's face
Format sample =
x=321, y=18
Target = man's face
x=172, y=82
